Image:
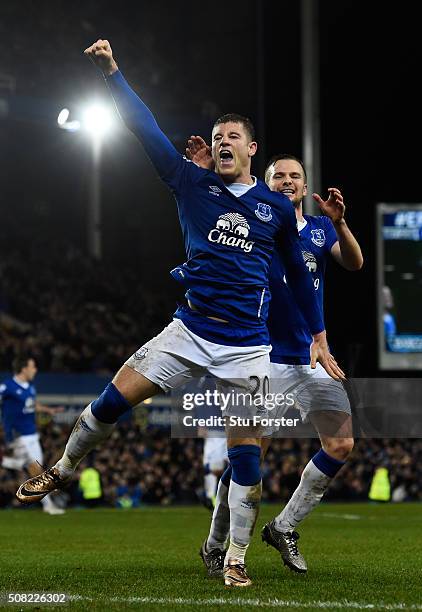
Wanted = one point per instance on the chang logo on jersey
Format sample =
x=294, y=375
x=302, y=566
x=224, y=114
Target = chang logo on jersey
x=232, y=229
x=310, y=261
x=263, y=212
x=318, y=237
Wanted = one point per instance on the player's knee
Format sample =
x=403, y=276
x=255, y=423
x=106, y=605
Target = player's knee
x=134, y=387
x=339, y=448
x=110, y=405
x=245, y=462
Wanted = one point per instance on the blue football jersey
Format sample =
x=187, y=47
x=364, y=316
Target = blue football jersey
x=17, y=409
x=229, y=239
x=289, y=334
x=229, y=247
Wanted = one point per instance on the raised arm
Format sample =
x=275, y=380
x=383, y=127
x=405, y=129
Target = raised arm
x=134, y=112
x=300, y=283
x=346, y=250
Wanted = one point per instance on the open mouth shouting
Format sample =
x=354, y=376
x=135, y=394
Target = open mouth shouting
x=226, y=158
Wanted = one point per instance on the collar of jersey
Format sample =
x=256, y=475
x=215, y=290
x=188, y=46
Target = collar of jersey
x=239, y=189
x=301, y=224
x=21, y=384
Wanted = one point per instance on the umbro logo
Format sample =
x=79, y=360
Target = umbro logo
x=214, y=190
x=248, y=504
x=84, y=425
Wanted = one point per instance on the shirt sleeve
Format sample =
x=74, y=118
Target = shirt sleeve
x=170, y=164
x=330, y=234
x=297, y=274
x=3, y=389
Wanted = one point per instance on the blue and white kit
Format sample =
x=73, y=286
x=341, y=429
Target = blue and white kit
x=229, y=234
x=18, y=401
x=291, y=372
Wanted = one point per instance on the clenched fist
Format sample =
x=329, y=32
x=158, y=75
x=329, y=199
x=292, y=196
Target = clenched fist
x=101, y=55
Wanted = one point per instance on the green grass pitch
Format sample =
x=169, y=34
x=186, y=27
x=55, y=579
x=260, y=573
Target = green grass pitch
x=360, y=557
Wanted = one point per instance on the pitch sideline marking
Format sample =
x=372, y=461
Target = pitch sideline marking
x=269, y=603
x=347, y=517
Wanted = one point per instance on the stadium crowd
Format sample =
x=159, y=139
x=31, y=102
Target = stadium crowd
x=74, y=314
x=78, y=315
x=145, y=466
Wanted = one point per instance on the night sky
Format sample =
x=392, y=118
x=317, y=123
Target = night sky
x=191, y=63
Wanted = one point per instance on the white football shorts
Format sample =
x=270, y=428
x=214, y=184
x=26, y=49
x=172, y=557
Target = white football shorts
x=25, y=450
x=310, y=390
x=177, y=355
x=215, y=454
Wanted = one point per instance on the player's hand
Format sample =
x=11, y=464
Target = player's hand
x=334, y=206
x=101, y=55
x=200, y=153
x=319, y=351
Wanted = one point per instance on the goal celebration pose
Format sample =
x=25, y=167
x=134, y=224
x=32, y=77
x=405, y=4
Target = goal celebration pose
x=231, y=223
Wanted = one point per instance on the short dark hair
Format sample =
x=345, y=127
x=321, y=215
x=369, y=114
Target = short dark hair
x=235, y=118
x=276, y=158
x=20, y=362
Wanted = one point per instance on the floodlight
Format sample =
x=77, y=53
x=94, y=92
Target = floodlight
x=97, y=119
x=63, y=116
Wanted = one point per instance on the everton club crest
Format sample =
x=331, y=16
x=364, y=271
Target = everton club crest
x=263, y=212
x=318, y=237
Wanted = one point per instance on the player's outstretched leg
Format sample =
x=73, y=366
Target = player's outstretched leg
x=244, y=498
x=316, y=477
x=93, y=426
x=213, y=550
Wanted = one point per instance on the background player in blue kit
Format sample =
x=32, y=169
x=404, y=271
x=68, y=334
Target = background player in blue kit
x=321, y=400
x=230, y=224
x=19, y=405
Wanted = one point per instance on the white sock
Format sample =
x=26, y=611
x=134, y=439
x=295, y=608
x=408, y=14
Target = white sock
x=308, y=494
x=244, y=508
x=210, y=485
x=220, y=523
x=86, y=435
x=47, y=502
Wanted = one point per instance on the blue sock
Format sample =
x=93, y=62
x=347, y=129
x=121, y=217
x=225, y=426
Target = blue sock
x=327, y=464
x=226, y=476
x=110, y=405
x=245, y=462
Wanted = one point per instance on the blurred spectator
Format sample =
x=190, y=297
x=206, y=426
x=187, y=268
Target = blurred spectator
x=380, y=489
x=76, y=315
x=90, y=487
x=139, y=466
x=129, y=495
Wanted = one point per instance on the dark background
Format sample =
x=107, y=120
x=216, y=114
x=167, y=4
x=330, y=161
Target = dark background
x=192, y=62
